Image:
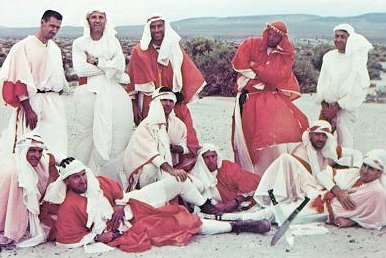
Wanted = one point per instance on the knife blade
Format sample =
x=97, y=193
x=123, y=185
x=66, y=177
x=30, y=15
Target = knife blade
x=284, y=227
x=280, y=218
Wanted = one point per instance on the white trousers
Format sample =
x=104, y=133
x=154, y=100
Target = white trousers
x=122, y=127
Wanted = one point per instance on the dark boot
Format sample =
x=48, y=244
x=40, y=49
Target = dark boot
x=254, y=226
x=209, y=208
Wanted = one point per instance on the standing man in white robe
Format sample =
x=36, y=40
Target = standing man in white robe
x=104, y=117
x=32, y=78
x=343, y=82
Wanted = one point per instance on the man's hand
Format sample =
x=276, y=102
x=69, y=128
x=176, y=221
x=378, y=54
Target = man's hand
x=330, y=112
x=105, y=237
x=117, y=216
x=343, y=198
x=90, y=59
x=180, y=174
x=174, y=148
x=30, y=115
x=136, y=112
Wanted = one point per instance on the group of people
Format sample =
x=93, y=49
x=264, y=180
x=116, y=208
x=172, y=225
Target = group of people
x=137, y=174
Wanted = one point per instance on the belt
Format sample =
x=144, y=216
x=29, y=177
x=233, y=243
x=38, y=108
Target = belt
x=49, y=91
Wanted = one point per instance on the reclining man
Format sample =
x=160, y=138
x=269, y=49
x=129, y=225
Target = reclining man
x=223, y=181
x=349, y=196
x=318, y=152
x=155, y=145
x=95, y=209
x=24, y=177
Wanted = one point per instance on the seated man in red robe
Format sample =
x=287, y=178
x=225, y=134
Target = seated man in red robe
x=95, y=209
x=158, y=60
x=223, y=181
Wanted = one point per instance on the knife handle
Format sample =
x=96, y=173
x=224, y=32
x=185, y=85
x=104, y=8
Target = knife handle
x=272, y=196
x=305, y=201
x=298, y=209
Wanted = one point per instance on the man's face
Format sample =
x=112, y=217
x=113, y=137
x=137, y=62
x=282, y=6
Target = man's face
x=273, y=38
x=318, y=140
x=210, y=159
x=50, y=27
x=157, y=31
x=369, y=174
x=340, y=40
x=97, y=21
x=168, y=106
x=77, y=182
x=34, y=154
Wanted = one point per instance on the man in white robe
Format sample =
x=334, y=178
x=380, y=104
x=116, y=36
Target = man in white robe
x=349, y=196
x=317, y=153
x=343, y=82
x=104, y=120
x=24, y=177
x=160, y=136
x=31, y=78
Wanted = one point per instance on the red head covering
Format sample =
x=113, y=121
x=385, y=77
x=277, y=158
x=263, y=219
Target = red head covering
x=285, y=46
x=278, y=26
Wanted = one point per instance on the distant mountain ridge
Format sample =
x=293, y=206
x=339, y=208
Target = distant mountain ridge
x=238, y=27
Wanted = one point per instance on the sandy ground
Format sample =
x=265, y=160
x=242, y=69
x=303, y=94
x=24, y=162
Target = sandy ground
x=212, y=118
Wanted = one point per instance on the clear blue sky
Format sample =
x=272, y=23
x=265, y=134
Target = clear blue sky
x=27, y=13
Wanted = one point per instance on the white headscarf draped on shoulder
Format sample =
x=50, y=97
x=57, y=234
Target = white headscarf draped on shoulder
x=207, y=178
x=99, y=210
x=329, y=149
x=355, y=42
x=28, y=181
x=170, y=49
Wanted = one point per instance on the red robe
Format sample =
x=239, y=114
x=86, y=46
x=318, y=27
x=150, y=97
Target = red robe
x=269, y=117
x=143, y=68
x=232, y=180
x=167, y=225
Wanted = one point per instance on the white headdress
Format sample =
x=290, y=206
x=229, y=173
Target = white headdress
x=328, y=150
x=170, y=49
x=27, y=177
x=28, y=180
x=99, y=210
x=207, y=178
x=377, y=159
x=355, y=42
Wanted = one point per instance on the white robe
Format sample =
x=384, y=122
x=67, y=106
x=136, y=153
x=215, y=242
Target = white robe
x=149, y=148
x=344, y=79
x=104, y=118
x=40, y=67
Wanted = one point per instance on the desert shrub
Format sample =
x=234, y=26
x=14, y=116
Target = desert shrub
x=213, y=58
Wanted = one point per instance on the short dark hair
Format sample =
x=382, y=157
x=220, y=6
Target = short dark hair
x=179, y=95
x=51, y=13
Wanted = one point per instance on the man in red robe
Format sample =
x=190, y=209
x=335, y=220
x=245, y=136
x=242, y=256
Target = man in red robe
x=159, y=61
x=95, y=209
x=264, y=112
x=223, y=181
